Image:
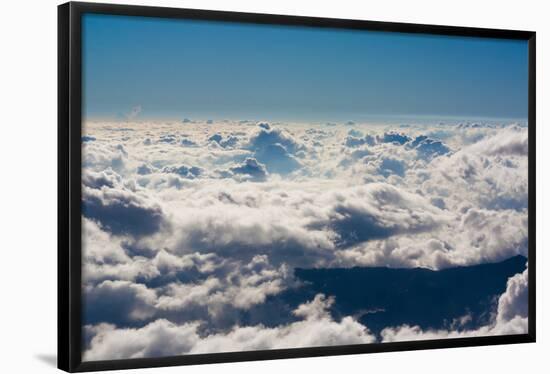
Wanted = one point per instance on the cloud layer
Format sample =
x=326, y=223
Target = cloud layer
x=192, y=230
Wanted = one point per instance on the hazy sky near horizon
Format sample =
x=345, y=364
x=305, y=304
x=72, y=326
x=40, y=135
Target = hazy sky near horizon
x=206, y=69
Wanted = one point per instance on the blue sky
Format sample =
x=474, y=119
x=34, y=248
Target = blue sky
x=200, y=69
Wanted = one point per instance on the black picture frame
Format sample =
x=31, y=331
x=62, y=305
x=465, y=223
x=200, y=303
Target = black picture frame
x=69, y=185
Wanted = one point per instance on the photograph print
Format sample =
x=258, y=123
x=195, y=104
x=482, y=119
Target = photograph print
x=251, y=187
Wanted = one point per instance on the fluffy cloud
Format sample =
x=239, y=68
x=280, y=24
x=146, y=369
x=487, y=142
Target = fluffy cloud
x=252, y=169
x=303, y=229
x=157, y=339
x=311, y=232
x=195, y=258
x=228, y=142
x=240, y=288
x=491, y=173
x=190, y=172
x=163, y=338
x=428, y=148
x=98, y=156
x=357, y=139
x=178, y=287
x=512, y=141
x=276, y=149
x=315, y=327
x=99, y=247
x=475, y=236
x=379, y=211
x=514, y=302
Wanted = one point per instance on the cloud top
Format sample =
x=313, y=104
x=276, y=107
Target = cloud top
x=193, y=230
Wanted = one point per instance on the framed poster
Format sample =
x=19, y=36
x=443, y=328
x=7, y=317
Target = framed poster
x=238, y=186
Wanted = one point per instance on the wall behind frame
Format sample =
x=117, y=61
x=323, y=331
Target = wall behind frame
x=28, y=188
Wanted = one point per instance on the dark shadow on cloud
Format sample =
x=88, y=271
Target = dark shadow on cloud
x=123, y=214
x=144, y=169
x=394, y=137
x=251, y=167
x=438, y=202
x=355, y=141
x=356, y=226
x=135, y=248
x=264, y=125
x=215, y=138
x=352, y=141
x=356, y=133
x=188, y=143
x=353, y=225
x=116, y=303
x=519, y=147
x=228, y=142
x=391, y=166
x=277, y=159
x=188, y=275
x=270, y=136
x=505, y=202
x=427, y=148
x=354, y=156
x=189, y=172
x=360, y=153
x=99, y=180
